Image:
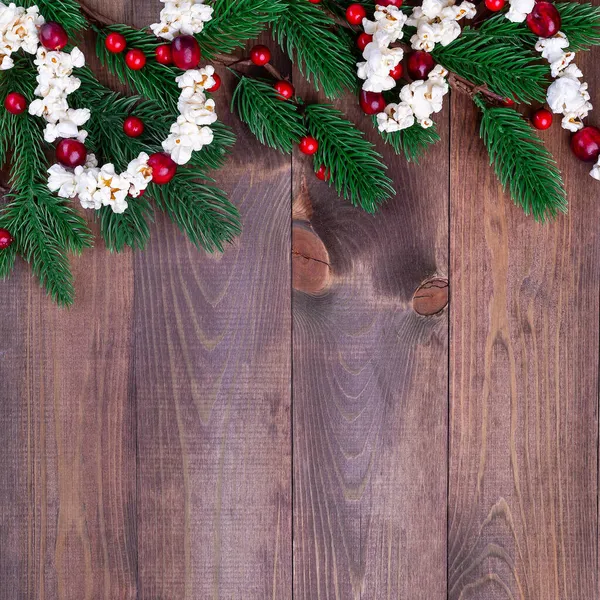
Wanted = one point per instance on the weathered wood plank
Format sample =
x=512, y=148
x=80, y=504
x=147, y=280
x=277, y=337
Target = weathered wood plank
x=212, y=375
x=370, y=387
x=523, y=373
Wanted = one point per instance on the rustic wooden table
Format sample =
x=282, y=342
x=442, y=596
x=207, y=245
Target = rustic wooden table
x=194, y=428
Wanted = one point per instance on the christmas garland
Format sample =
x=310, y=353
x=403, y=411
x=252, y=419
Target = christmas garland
x=68, y=140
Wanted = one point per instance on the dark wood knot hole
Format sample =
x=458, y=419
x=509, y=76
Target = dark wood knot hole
x=431, y=296
x=311, y=272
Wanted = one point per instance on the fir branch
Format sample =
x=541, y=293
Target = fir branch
x=412, y=141
x=507, y=69
x=129, y=228
x=201, y=211
x=324, y=57
x=155, y=81
x=66, y=12
x=580, y=23
x=521, y=162
x=356, y=169
x=274, y=122
x=234, y=23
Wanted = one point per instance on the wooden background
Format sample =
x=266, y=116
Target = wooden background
x=194, y=428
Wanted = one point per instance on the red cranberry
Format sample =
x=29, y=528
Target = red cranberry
x=420, y=64
x=323, y=173
x=53, y=36
x=5, y=239
x=371, y=102
x=115, y=42
x=133, y=127
x=186, y=52
x=397, y=72
x=544, y=20
x=542, y=119
x=15, y=103
x=163, y=168
x=163, y=53
x=397, y=3
x=308, y=145
x=217, y=85
x=586, y=144
x=71, y=153
x=355, y=13
x=363, y=40
x=285, y=89
x=135, y=59
x=260, y=55
x=495, y=5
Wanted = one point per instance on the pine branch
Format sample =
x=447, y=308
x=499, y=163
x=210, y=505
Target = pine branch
x=65, y=12
x=201, y=211
x=412, y=142
x=506, y=68
x=274, y=122
x=129, y=228
x=324, y=56
x=155, y=81
x=521, y=162
x=580, y=23
x=234, y=23
x=356, y=169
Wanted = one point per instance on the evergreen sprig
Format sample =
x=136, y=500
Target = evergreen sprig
x=66, y=12
x=506, y=68
x=234, y=23
x=522, y=163
x=324, y=56
x=274, y=123
x=130, y=228
x=412, y=141
x=356, y=169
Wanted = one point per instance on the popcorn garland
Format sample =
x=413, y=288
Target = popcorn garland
x=566, y=95
x=102, y=186
x=436, y=22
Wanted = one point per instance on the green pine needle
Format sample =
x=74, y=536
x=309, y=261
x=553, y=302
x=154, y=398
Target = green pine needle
x=65, y=12
x=506, y=68
x=412, y=141
x=201, y=211
x=356, y=169
x=324, y=57
x=274, y=123
x=522, y=163
x=234, y=23
x=129, y=228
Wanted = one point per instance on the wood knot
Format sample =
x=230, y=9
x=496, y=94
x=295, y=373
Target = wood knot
x=311, y=272
x=431, y=296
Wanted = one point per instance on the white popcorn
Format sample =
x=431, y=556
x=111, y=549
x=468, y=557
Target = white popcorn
x=519, y=9
x=182, y=17
x=186, y=138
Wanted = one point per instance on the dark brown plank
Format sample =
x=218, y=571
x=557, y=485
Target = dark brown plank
x=370, y=386
x=524, y=356
x=212, y=376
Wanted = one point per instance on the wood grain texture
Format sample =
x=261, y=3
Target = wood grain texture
x=523, y=381
x=370, y=391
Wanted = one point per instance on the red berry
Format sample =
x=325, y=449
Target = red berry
x=285, y=89
x=186, y=52
x=544, y=20
x=308, y=145
x=5, y=239
x=397, y=72
x=542, y=119
x=260, y=55
x=508, y=102
x=53, y=36
x=397, y=3
x=323, y=173
x=586, y=144
x=363, y=39
x=133, y=127
x=355, y=13
x=371, y=102
x=163, y=53
x=315, y=1
x=420, y=64
x=217, y=85
x=15, y=103
x=135, y=59
x=495, y=5
x=71, y=153
x=163, y=168
x=115, y=42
